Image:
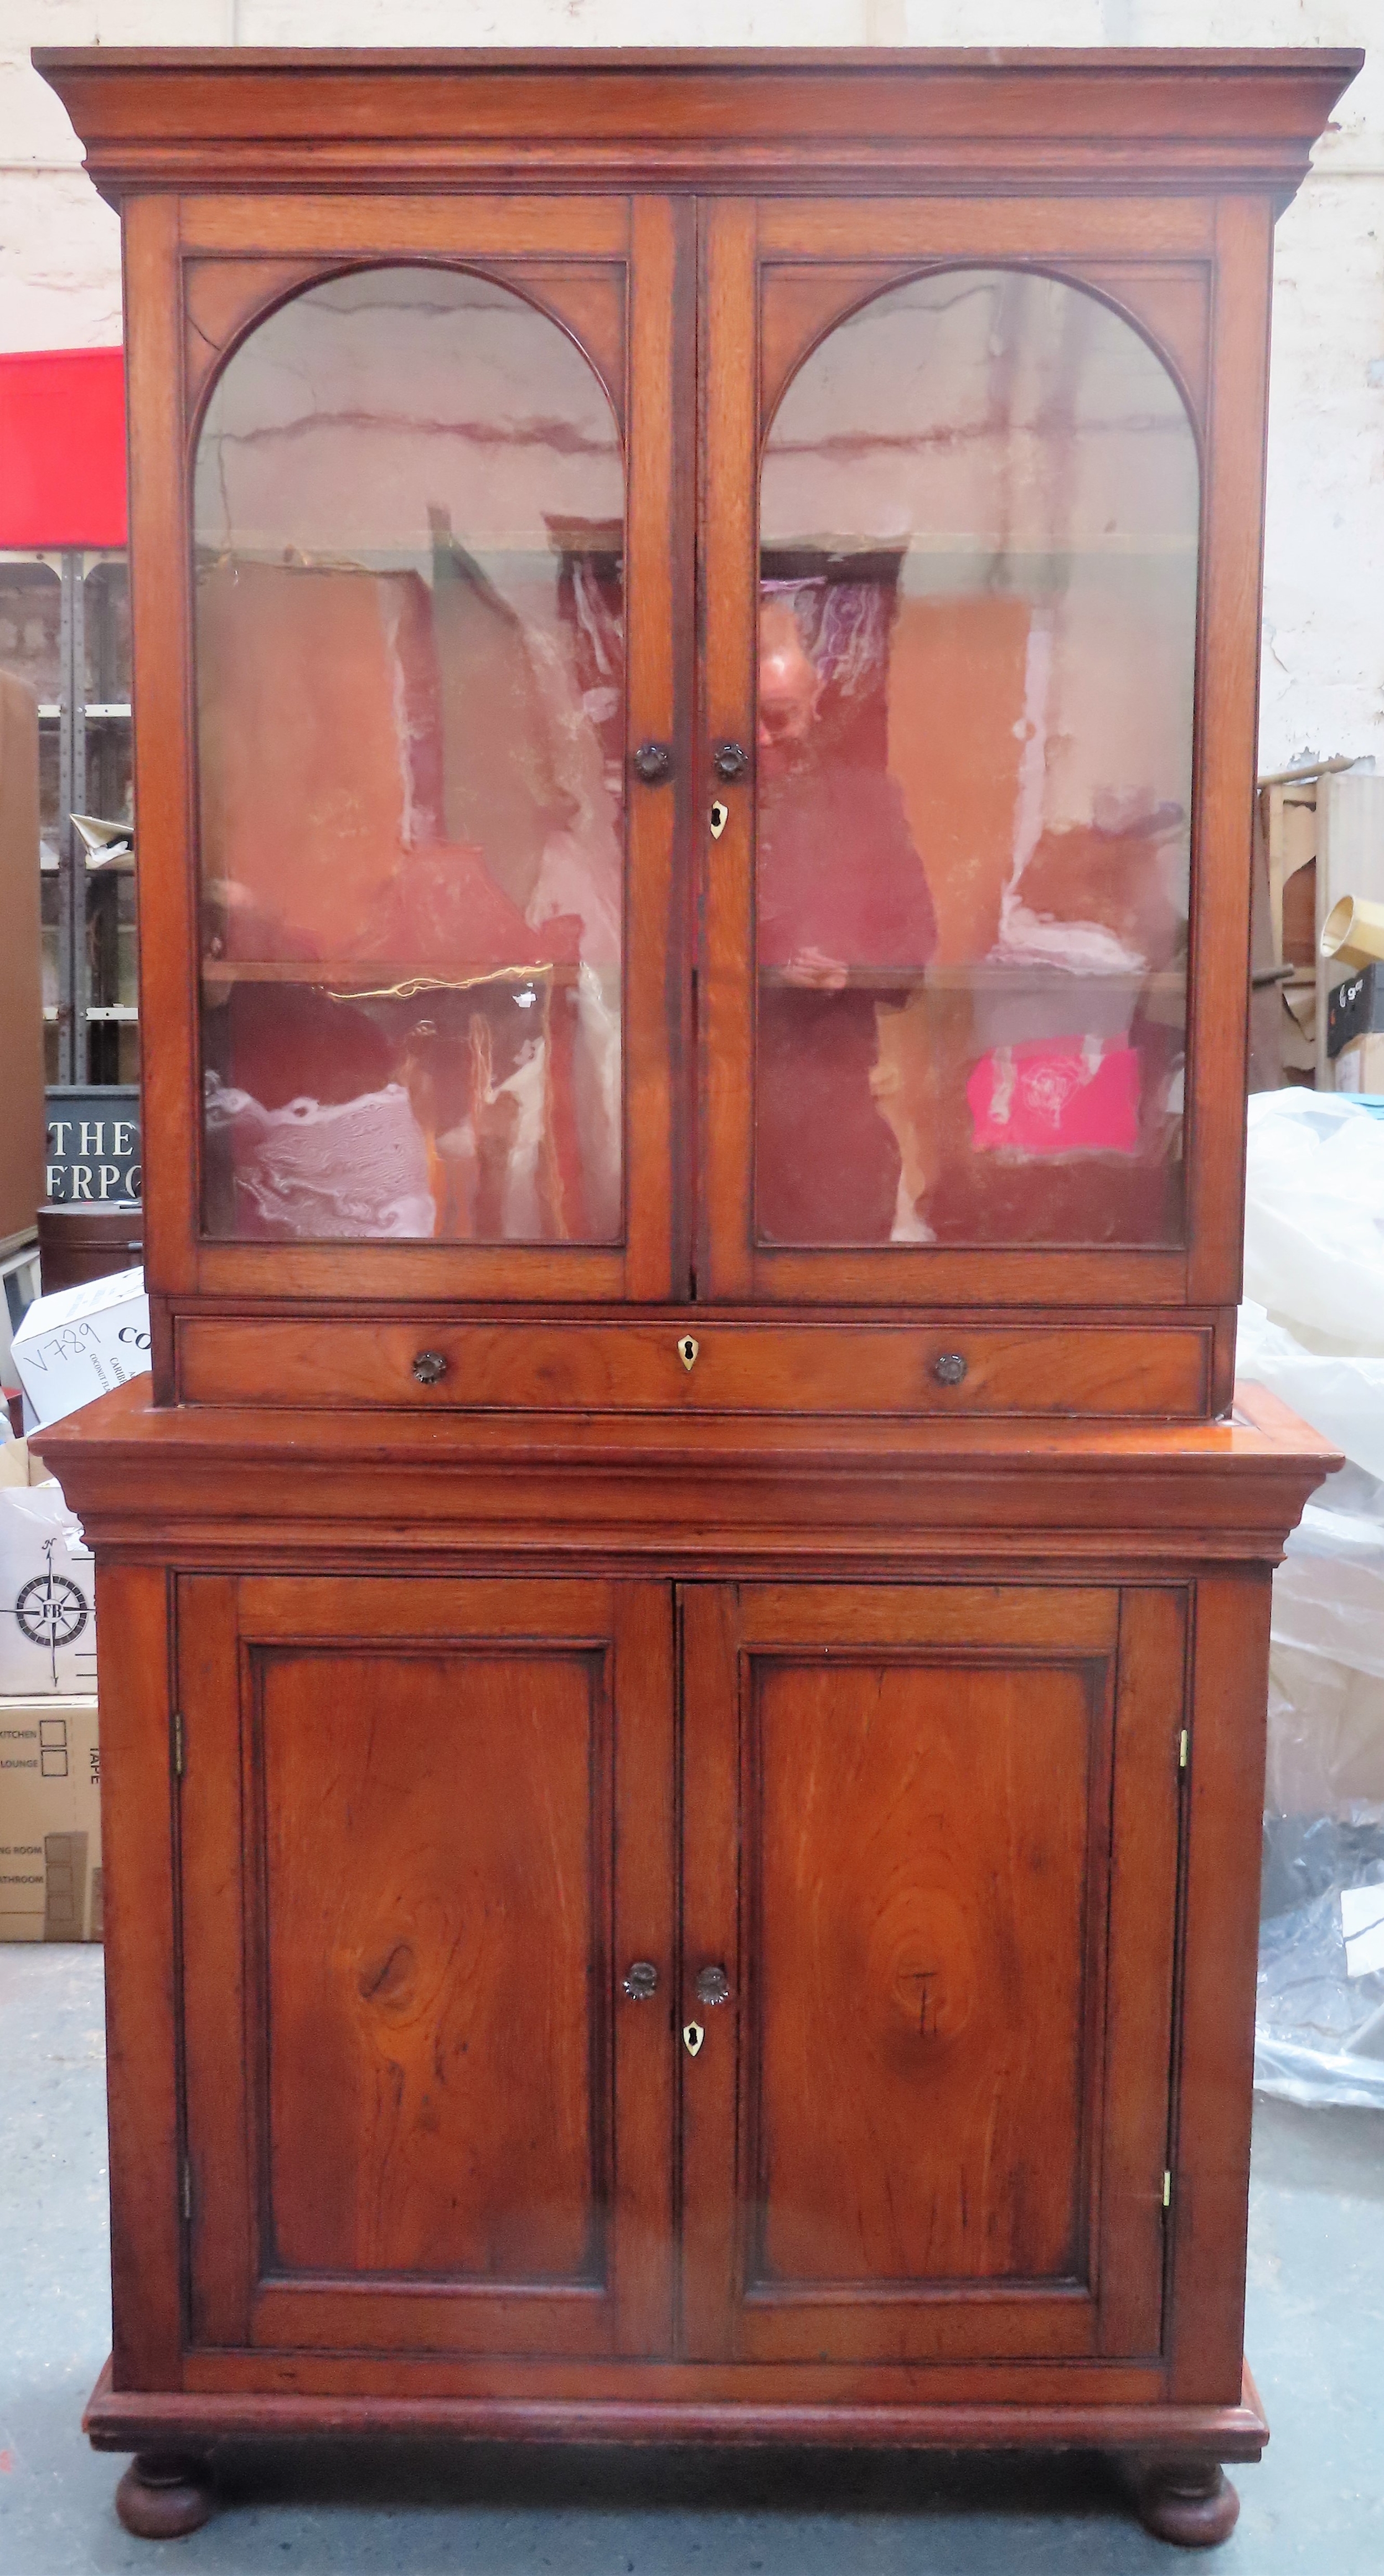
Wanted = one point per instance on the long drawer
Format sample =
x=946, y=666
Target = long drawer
x=699, y=1364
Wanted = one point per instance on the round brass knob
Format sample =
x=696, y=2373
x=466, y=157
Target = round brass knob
x=949, y=1368
x=641, y=1981
x=713, y=1987
x=429, y=1366
x=653, y=762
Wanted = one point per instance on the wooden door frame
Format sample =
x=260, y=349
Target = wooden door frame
x=1128, y=252
x=259, y=251
x=235, y=2299
x=1137, y=1637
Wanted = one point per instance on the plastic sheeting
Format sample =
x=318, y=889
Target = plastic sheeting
x=1312, y=1331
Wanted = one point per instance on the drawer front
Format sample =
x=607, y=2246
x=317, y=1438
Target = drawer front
x=736, y=1367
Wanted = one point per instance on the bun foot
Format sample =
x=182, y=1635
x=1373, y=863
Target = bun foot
x=1190, y=2502
x=164, y=2495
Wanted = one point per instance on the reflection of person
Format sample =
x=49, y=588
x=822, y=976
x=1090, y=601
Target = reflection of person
x=844, y=924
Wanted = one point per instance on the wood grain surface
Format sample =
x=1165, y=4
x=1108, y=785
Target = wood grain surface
x=919, y=1891
x=930, y=1715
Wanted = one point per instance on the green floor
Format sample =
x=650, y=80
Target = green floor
x=1316, y=2339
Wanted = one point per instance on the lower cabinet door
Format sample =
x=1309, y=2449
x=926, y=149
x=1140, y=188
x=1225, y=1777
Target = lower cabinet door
x=426, y=1829
x=931, y=1842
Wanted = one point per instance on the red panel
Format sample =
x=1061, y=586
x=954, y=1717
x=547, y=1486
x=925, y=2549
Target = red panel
x=62, y=448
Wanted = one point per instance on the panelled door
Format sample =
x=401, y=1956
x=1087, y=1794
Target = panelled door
x=919, y=766
x=928, y=2116
x=439, y=1999
x=426, y=1829
x=954, y=561
x=440, y=545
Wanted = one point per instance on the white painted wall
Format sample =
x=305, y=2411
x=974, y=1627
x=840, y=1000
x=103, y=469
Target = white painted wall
x=1323, y=687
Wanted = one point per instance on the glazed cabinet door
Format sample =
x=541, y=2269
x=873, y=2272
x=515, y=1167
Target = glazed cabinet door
x=970, y=601
x=425, y=1833
x=931, y=1843
x=430, y=587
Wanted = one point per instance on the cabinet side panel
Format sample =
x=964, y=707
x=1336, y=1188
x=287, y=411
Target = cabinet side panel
x=1224, y=1795
x=218, y=2034
x=1227, y=709
x=141, y=2037
x=158, y=589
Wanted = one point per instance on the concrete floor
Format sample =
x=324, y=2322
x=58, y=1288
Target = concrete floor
x=1316, y=2337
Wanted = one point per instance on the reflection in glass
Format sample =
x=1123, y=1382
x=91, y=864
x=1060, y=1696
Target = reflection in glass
x=979, y=516
x=409, y=530
x=106, y=632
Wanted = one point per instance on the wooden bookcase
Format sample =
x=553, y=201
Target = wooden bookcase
x=684, y=1616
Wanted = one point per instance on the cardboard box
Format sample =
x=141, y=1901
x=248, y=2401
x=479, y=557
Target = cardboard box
x=50, y=1820
x=1354, y=1009
x=47, y=1592
x=1360, y=1066
x=80, y=1343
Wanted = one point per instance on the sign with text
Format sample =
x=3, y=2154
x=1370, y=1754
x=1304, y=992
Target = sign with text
x=93, y=1145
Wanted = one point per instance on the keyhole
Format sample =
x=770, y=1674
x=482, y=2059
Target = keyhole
x=720, y=816
x=692, y=2037
x=687, y=1351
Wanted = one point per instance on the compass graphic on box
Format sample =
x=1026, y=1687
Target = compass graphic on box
x=50, y=1609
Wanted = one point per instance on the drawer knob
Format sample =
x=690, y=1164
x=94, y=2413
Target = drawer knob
x=653, y=762
x=730, y=759
x=713, y=1987
x=428, y=1367
x=949, y=1368
x=641, y=1981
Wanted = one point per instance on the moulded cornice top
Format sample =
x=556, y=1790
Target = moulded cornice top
x=983, y=118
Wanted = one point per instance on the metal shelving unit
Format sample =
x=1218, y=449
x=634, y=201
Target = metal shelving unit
x=65, y=628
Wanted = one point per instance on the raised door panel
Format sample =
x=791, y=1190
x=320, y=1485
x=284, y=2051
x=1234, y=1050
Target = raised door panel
x=932, y=2122
x=943, y=1997
x=402, y=1849
x=428, y=1837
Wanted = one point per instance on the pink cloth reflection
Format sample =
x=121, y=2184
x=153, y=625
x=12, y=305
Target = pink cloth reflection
x=845, y=923
x=1056, y=1096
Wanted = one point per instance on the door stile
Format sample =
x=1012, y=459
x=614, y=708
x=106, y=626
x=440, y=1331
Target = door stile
x=1150, y=1711
x=729, y=518
x=711, y=1936
x=644, y=1918
x=657, y=544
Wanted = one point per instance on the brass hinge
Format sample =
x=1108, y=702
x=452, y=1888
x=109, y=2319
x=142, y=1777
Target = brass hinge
x=177, y=1744
x=187, y=2192
x=1184, y=1746
x=1167, y=2191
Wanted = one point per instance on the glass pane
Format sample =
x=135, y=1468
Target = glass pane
x=979, y=518
x=31, y=625
x=410, y=639
x=106, y=588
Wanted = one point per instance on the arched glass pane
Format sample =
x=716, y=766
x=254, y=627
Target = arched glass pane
x=410, y=659
x=979, y=517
